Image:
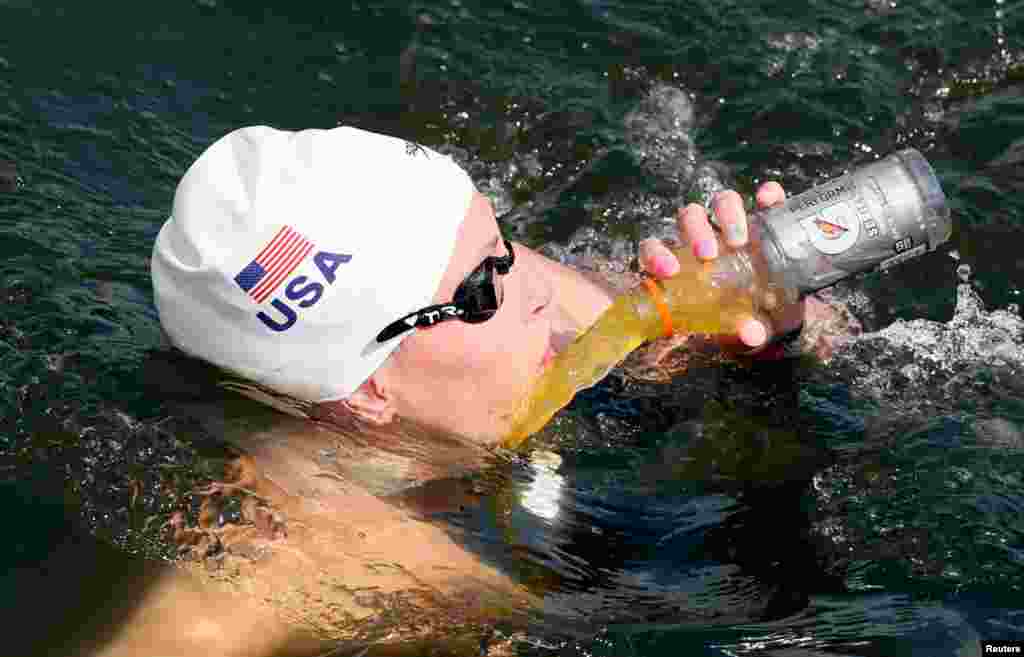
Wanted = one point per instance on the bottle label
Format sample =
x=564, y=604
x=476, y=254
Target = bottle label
x=833, y=229
x=875, y=215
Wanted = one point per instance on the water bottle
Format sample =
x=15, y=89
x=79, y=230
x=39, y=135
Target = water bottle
x=881, y=214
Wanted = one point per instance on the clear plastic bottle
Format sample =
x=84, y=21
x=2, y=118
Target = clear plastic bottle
x=879, y=215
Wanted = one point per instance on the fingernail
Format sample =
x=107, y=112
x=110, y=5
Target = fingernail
x=736, y=233
x=754, y=334
x=706, y=249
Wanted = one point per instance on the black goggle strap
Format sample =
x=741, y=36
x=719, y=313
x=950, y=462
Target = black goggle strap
x=504, y=263
x=420, y=319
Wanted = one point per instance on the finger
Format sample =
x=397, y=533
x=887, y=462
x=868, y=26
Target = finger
x=728, y=207
x=769, y=194
x=752, y=332
x=657, y=260
x=693, y=222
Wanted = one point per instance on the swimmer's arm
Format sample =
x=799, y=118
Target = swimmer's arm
x=580, y=297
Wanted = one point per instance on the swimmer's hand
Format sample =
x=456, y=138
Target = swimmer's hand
x=752, y=334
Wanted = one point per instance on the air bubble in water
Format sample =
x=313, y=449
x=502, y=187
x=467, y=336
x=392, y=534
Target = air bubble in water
x=963, y=272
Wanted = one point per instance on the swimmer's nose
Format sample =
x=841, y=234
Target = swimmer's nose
x=538, y=293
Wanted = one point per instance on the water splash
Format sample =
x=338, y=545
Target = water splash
x=927, y=361
x=660, y=132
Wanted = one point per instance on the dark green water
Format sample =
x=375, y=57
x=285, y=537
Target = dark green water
x=860, y=509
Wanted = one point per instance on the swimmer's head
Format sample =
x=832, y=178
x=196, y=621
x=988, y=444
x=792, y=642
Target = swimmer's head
x=286, y=253
x=301, y=261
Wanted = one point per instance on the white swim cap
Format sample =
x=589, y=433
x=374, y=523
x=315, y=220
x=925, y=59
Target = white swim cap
x=286, y=253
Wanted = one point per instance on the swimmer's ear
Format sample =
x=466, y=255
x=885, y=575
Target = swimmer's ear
x=372, y=403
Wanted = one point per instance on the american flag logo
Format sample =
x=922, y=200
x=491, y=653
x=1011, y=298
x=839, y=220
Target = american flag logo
x=278, y=259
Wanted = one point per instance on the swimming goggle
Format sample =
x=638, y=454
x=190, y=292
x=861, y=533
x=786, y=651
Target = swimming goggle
x=476, y=300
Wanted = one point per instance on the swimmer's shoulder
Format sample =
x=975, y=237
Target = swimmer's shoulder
x=338, y=559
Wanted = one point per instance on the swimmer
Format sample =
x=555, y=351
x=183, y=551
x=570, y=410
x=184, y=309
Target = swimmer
x=365, y=278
